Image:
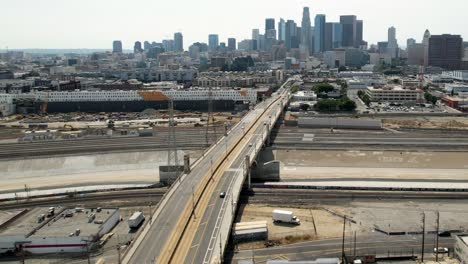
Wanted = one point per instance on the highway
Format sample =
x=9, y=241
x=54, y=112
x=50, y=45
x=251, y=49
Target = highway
x=186, y=140
x=173, y=213
x=201, y=248
x=319, y=138
x=379, y=245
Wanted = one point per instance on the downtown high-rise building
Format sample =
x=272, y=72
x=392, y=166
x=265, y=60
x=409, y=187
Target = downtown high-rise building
x=392, y=48
x=337, y=35
x=178, y=42
x=328, y=37
x=425, y=42
x=410, y=42
x=213, y=42
x=117, y=46
x=146, y=45
x=232, y=44
x=319, y=33
x=349, y=27
x=269, y=24
x=137, y=47
x=306, y=28
x=282, y=30
x=359, y=33
x=255, y=38
x=446, y=51
x=291, y=35
x=168, y=45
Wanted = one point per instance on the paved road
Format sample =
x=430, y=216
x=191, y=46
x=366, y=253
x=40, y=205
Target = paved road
x=204, y=234
x=379, y=245
x=154, y=241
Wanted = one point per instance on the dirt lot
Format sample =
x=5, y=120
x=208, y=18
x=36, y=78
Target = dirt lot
x=427, y=122
x=326, y=224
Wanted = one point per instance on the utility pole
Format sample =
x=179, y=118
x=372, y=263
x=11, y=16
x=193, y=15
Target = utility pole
x=423, y=235
x=119, y=261
x=172, y=156
x=193, y=204
x=150, y=213
x=210, y=119
x=354, y=244
x=437, y=237
x=343, y=256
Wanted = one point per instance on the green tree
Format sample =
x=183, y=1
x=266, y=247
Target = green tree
x=295, y=89
x=430, y=98
x=304, y=107
x=348, y=105
x=323, y=88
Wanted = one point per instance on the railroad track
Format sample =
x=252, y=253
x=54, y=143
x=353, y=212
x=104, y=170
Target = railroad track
x=99, y=197
x=277, y=196
x=187, y=141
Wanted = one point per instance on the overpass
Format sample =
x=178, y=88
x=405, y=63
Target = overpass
x=192, y=223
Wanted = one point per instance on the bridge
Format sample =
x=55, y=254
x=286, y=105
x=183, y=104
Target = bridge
x=192, y=223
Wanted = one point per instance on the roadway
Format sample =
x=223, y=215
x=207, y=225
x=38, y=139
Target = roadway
x=206, y=232
x=185, y=140
x=319, y=138
x=379, y=245
x=169, y=220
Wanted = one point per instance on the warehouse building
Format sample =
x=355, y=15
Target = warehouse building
x=55, y=230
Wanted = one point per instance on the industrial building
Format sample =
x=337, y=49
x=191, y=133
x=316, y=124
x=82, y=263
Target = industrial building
x=395, y=94
x=54, y=230
x=461, y=248
x=250, y=231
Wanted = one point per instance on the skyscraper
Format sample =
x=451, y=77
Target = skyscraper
x=425, y=42
x=349, y=24
x=446, y=51
x=392, y=43
x=305, y=31
x=255, y=38
x=168, y=45
x=213, y=42
x=117, y=46
x=328, y=37
x=410, y=42
x=282, y=30
x=319, y=33
x=178, y=42
x=137, y=47
x=146, y=45
x=359, y=33
x=269, y=24
x=231, y=44
x=291, y=35
x=337, y=36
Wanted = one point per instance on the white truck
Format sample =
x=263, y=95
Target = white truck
x=135, y=220
x=285, y=217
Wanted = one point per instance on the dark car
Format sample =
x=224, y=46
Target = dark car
x=445, y=234
x=222, y=195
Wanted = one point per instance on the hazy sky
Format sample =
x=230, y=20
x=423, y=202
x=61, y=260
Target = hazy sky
x=96, y=23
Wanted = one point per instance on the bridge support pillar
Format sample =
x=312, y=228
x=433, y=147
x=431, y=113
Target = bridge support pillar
x=186, y=163
x=267, y=140
x=247, y=171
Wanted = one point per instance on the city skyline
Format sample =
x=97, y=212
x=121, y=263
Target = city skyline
x=53, y=28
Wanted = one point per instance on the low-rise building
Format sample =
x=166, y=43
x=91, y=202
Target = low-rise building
x=456, y=102
x=55, y=230
x=461, y=248
x=395, y=94
x=305, y=96
x=461, y=76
